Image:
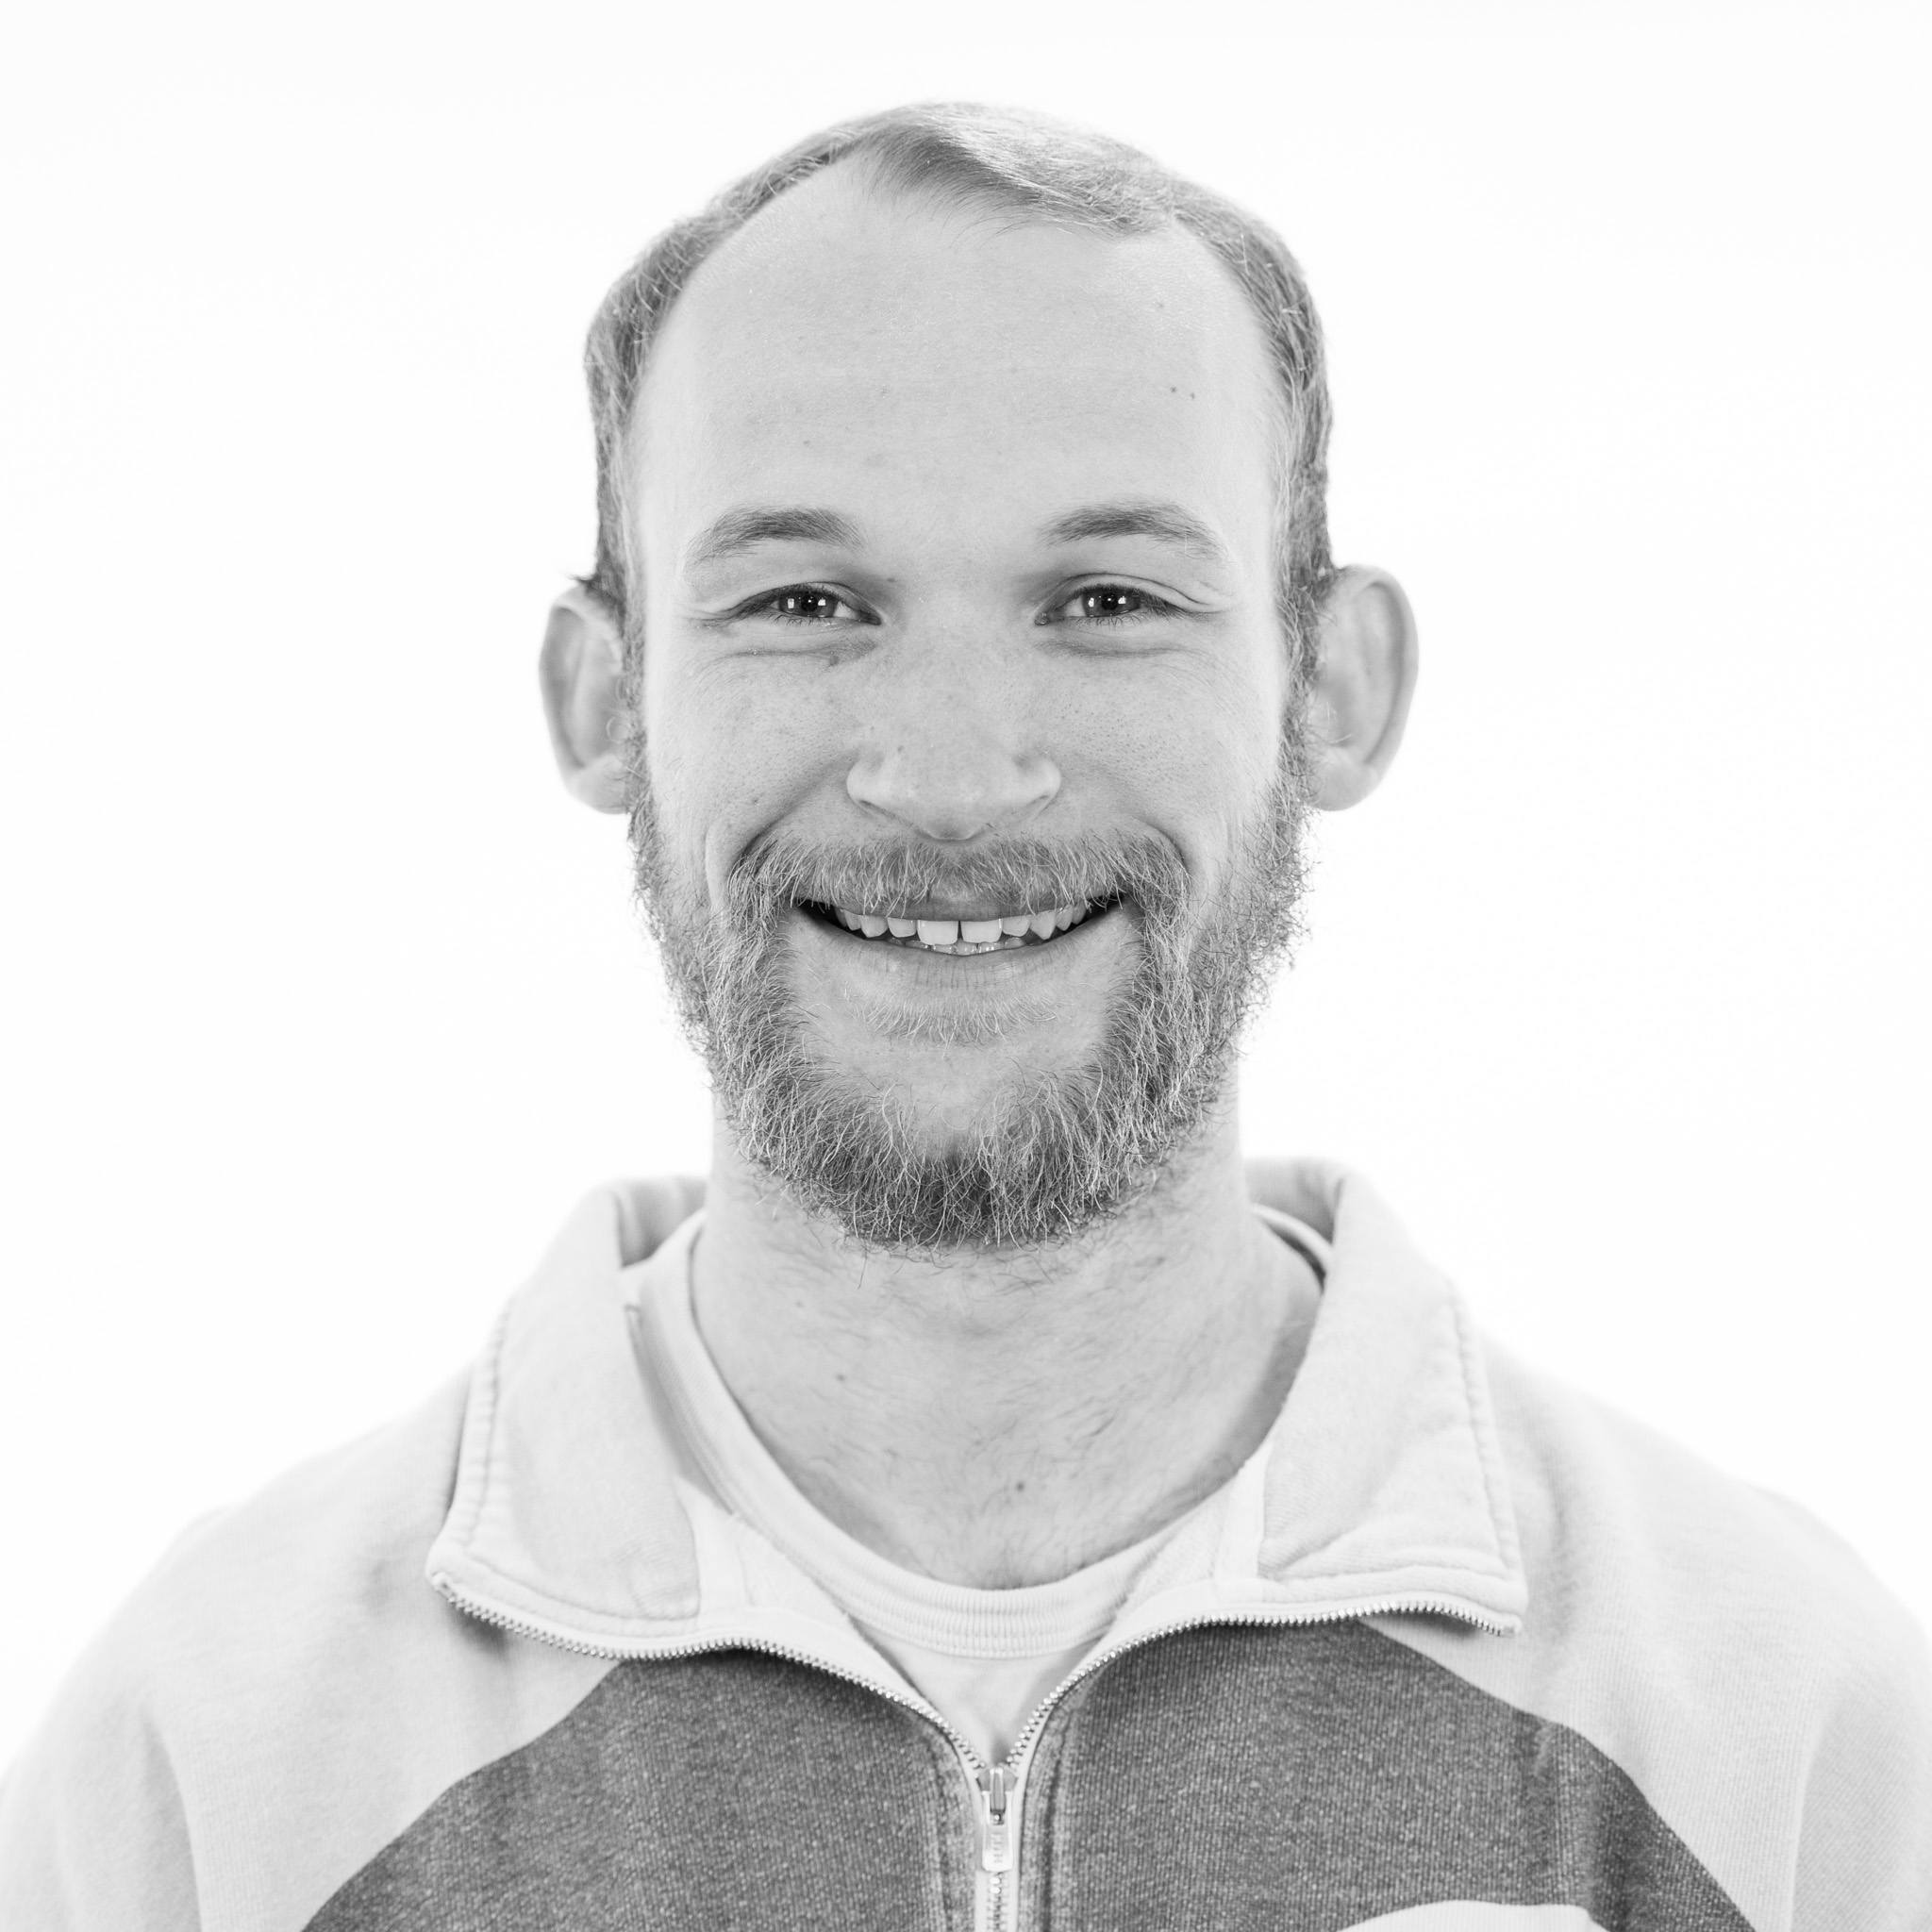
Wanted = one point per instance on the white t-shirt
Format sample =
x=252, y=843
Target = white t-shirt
x=983, y=1659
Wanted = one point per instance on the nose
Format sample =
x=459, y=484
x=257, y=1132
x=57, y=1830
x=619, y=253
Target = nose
x=951, y=765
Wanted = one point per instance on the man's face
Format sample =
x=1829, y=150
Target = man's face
x=957, y=591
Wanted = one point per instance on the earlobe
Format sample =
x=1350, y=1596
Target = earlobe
x=581, y=670
x=1364, y=678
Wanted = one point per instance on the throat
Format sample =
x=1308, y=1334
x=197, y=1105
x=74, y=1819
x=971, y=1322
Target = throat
x=1001, y=1426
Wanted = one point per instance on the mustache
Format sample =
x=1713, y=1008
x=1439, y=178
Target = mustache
x=783, y=870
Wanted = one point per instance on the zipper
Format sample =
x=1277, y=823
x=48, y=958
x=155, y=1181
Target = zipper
x=990, y=1891
x=997, y=1789
x=998, y=1815
x=1010, y=1772
x=542, y=1633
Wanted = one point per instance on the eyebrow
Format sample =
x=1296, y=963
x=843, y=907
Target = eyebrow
x=741, y=530
x=1167, y=523
x=738, y=530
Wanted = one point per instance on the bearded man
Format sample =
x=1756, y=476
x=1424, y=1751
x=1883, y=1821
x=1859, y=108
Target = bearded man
x=993, y=1506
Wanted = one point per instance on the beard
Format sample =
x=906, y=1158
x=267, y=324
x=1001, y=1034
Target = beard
x=1060, y=1151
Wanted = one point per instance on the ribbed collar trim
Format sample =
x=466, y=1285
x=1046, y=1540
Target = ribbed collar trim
x=574, y=1518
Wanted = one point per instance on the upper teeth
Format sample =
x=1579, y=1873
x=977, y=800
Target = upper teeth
x=954, y=932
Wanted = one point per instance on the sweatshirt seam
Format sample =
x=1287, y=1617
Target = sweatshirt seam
x=474, y=1493
x=1481, y=1430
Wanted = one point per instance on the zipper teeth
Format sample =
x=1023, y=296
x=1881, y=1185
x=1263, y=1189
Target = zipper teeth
x=519, y=1627
x=997, y=1882
x=1255, y=1613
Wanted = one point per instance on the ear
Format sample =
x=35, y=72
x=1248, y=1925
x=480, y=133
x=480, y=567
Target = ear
x=1364, y=677
x=581, y=669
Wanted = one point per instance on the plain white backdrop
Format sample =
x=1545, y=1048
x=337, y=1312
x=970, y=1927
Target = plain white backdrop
x=325, y=1003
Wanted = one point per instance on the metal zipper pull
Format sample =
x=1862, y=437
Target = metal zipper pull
x=995, y=1827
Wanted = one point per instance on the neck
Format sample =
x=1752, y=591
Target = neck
x=1003, y=1418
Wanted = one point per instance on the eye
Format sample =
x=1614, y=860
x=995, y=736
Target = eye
x=803, y=604
x=1107, y=603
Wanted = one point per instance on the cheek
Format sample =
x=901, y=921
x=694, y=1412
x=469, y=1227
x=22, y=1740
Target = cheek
x=1191, y=745
x=729, y=754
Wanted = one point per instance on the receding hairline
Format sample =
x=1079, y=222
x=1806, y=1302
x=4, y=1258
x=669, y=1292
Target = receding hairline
x=974, y=208
x=885, y=176
x=870, y=178
x=1007, y=167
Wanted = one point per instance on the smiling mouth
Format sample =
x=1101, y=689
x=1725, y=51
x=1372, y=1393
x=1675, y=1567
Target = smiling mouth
x=1008, y=932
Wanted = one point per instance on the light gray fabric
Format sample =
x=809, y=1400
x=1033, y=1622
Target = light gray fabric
x=1475, y=1632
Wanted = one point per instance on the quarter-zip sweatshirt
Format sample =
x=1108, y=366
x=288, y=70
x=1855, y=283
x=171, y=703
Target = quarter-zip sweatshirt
x=1465, y=1652
x=984, y=1659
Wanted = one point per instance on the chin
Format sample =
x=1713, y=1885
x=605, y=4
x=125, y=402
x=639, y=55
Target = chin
x=1041, y=1161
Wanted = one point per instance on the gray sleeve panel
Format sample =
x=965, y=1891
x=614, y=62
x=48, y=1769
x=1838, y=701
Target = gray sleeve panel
x=1251, y=1780
x=731, y=1790
x=1229, y=1777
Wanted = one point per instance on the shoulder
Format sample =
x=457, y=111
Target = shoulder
x=1726, y=1650
x=249, y=1618
x=283, y=1695
x=1618, y=1520
x=330, y=1549
x=287, y=1589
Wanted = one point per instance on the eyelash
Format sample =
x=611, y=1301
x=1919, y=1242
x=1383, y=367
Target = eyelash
x=766, y=606
x=1151, y=606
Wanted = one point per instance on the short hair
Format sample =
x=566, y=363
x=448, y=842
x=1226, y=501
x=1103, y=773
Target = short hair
x=966, y=154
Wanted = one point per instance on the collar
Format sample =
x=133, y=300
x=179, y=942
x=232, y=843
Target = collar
x=575, y=1519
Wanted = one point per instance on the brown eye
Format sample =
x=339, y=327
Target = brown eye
x=1110, y=600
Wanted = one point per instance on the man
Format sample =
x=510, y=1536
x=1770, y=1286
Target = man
x=996, y=1506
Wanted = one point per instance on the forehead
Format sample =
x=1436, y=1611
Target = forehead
x=863, y=343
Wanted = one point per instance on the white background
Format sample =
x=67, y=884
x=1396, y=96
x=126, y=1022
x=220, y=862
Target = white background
x=325, y=1004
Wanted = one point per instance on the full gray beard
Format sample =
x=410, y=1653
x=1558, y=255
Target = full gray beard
x=1058, y=1152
